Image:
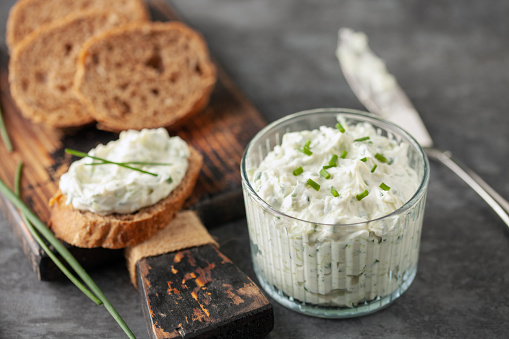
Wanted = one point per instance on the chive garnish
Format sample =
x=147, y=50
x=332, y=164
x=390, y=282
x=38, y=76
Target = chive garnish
x=362, y=139
x=362, y=195
x=4, y=134
x=334, y=192
x=104, y=161
x=340, y=127
x=333, y=160
x=374, y=168
x=143, y=163
x=324, y=174
x=298, y=171
x=343, y=155
x=313, y=184
x=64, y=253
x=306, y=149
x=364, y=159
x=329, y=166
x=384, y=187
x=380, y=157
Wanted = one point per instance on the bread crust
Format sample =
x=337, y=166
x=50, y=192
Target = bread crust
x=87, y=229
x=145, y=110
x=42, y=69
x=28, y=15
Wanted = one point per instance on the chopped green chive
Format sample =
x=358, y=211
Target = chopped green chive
x=306, y=149
x=364, y=159
x=333, y=160
x=328, y=166
x=313, y=184
x=334, y=192
x=362, y=195
x=380, y=157
x=374, y=168
x=384, y=187
x=298, y=171
x=324, y=174
x=340, y=127
x=362, y=139
x=343, y=155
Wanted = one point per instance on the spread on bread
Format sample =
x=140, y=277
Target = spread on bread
x=108, y=188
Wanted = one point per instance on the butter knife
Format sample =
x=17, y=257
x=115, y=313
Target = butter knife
x=380, y=93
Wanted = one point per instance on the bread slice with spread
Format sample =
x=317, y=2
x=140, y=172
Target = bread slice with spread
x=145, y=75
x=43, y=66
x=106, y=187
x=28, y=15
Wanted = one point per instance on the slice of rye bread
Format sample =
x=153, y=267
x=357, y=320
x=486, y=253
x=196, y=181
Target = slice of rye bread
x=87, y=229
x=42, y=68
x=145, y=75
x=28, y=15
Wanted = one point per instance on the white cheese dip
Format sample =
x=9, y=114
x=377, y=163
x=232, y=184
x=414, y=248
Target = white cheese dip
x=314, y=258
x=109, y=188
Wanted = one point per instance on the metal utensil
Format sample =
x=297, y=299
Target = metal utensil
x=380, y=93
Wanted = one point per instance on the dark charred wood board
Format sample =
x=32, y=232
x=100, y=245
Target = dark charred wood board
x=200, y=293
x=221, y=132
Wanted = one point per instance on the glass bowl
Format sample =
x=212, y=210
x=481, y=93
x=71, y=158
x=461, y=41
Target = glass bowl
x=354, y=272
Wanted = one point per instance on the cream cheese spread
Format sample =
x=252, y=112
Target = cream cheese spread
x=109, y=188
x=312, y=256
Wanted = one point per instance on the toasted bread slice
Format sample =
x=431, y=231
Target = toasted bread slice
x=145, y=75
x=28, y=15
x=87, y=229
x=42, y=69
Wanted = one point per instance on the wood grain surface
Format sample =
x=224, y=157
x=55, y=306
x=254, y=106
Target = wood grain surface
x=221, y=132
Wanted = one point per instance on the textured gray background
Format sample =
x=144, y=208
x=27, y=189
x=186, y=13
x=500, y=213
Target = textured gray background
x=451, y=57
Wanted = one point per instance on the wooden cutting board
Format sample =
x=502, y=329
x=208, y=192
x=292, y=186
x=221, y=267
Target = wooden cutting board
x=221, y=132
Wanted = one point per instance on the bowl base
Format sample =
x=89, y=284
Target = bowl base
x=333, y=312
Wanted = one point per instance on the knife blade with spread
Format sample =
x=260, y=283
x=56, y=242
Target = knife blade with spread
x=380, y=93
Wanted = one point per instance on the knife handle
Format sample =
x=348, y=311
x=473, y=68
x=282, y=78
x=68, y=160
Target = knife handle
x=495, y=200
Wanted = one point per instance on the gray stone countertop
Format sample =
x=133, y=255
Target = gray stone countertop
x=452, y=58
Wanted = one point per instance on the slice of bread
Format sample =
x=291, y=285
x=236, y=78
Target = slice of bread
x=145, y=75
x=87, y=229
x=42, y=68
x=27, y=15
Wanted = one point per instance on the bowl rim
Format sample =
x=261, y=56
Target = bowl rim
x=394, y=128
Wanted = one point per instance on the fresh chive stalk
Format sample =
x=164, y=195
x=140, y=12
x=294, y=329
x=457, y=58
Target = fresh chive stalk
x=104, y=161
x=334, y=192
x=364, y=159
x=362, y=195
x=313, y=184
x=380, y=157
x=40, y=241
x=362, y=139
x=328, y=166
x=384, y=187
x=374, y=168
x=325, y=174
x=340, y=127
x=66, y=255
x=298, y=171
x=4, y=134
x=143, y=163
x=343, y=155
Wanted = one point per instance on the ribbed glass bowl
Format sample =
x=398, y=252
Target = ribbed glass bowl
x=356, y=271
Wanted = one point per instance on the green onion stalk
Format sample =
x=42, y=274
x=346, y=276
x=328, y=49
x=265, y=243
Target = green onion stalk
x=66, y=255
